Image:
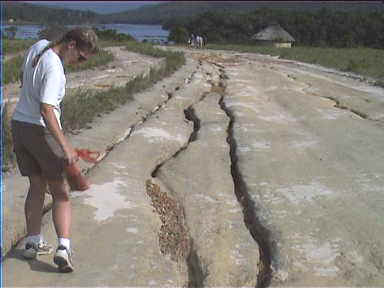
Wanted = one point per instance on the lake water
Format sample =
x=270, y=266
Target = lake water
x=139, y=32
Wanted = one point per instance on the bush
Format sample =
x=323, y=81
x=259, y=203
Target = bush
x=112, y=35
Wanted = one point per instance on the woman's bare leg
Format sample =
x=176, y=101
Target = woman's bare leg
x=34, y=203
x=61, y=211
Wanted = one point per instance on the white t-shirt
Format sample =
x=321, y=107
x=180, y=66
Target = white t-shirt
x=44, y=83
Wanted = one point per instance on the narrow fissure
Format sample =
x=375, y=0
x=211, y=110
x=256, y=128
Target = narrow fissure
x=261, y=234
x=133, y=127
x=172, y=241
x=196, y=274
x=337, y=102
x=338, y=105
x=190, y=115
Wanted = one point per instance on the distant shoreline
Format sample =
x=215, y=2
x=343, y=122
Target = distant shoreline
x=137, y=31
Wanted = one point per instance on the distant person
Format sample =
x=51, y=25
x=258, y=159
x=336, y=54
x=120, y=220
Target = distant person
x=42, y=150
x=199, y=41
x=192, y=40
x=204, y=40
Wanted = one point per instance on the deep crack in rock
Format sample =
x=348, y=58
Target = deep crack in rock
x=174, y=238
x=260, y=233
x=190, y=116
x=178, y=243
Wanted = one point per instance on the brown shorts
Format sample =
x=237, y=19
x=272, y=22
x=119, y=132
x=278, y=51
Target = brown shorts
x=37, y=151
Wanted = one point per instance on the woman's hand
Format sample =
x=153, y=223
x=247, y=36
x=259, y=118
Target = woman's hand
x=70, y=155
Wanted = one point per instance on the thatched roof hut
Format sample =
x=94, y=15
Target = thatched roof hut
x=275, y=35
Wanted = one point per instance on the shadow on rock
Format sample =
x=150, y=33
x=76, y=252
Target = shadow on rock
x=35, y=264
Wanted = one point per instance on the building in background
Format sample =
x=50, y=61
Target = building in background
x=274, y=35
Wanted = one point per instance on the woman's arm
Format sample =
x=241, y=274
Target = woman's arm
x=47, y=111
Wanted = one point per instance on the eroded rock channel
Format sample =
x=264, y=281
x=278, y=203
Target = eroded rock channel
x=218, y=249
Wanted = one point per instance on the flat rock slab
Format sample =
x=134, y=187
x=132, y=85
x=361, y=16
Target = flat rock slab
x=312, y=170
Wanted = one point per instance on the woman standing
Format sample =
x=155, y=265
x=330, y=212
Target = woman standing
x=42, y=150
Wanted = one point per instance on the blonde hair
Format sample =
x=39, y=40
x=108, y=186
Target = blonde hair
x=85, y=38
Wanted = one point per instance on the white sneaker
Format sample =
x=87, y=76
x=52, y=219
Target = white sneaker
x=63, y=259
x=33, y=249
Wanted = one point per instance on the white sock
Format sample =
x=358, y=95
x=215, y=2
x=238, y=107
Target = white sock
x=34, y=238
x=65, y=242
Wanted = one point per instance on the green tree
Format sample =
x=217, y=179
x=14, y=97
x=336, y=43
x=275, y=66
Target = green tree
x=178, y=34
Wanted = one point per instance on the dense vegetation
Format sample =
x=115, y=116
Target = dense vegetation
x=323, y=27
x=25, y=13
x=159, y=13
x=325, y=24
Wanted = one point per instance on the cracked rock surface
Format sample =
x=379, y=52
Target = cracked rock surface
x=239, y=170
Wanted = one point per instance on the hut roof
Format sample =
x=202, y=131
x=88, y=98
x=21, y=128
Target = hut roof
x=273, y=33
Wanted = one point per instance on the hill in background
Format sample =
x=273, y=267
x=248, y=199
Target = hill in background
x=100, y=7
x=154, y=12
x=157, y=14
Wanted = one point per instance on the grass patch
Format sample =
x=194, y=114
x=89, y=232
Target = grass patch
x=16, y=45
x=101, y=58
x=174, y=60
x=8, y=160
x=367, y=62
x=11, y=70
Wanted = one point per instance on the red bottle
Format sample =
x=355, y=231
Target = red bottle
x=86, y=155
x=76, y=180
